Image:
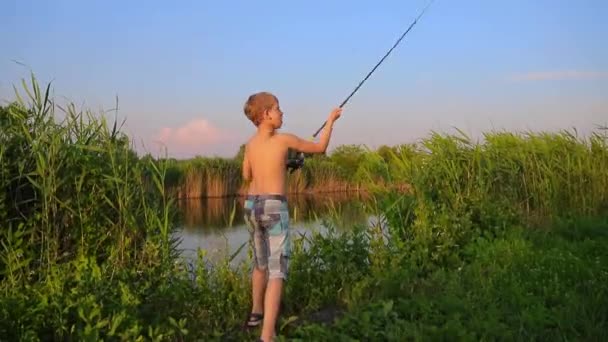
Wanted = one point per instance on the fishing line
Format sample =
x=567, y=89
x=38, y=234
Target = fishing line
x=378, y=64
x=297, y=163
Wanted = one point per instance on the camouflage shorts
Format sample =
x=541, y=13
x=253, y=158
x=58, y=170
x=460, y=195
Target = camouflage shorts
x=268, y=219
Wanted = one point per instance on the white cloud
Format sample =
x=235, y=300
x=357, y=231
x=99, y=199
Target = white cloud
x=194, y=137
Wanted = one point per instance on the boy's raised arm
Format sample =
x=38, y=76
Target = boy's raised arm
x=302, y=145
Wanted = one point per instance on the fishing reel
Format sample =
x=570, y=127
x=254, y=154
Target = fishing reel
x=295, y=163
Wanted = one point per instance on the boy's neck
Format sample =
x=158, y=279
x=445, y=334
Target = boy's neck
x=266, y=130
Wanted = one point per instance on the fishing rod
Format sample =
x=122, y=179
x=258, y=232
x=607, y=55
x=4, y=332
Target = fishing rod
x=294, y=164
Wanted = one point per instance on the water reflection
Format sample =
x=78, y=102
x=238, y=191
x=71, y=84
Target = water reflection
x=217, y=224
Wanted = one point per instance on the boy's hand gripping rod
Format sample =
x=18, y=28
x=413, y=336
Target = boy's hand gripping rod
x=297, y=163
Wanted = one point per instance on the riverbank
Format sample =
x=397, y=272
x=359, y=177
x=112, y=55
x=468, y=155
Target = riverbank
x=503, y=239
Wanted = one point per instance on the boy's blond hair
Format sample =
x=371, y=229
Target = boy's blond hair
x=257, y=104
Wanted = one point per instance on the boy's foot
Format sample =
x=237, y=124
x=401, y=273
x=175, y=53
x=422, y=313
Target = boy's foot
x=254, y=320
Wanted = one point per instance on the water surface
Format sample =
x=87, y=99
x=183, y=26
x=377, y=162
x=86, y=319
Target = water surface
x=217, y=226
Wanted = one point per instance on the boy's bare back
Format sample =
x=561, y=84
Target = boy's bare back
x=264, y=163
x=266, y=156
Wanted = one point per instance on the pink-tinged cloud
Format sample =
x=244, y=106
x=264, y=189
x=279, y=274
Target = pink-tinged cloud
x=560, y=75
x=198, y=136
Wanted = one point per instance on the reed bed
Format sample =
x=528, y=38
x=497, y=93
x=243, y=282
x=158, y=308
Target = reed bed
x=221, y=177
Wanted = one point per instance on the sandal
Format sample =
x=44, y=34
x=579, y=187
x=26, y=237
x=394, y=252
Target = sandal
x=254, y=320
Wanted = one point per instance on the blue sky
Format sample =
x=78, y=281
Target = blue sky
x=183, y=70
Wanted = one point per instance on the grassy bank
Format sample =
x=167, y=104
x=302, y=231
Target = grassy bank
x=499, y=240
x=502, y=239
x=523, y=285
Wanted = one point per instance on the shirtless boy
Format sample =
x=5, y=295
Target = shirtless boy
x=266, y=212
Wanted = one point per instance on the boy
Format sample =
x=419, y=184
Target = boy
x=266, y=212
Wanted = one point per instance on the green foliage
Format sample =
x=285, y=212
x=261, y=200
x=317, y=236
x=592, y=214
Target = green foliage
x=459, y=189
x=315, y=280
x=79, y=212
x=526, y=285
x=501, y=240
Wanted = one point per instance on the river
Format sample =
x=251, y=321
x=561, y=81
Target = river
x=217, y=224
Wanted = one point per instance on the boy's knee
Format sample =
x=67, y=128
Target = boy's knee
x=278, y=267
x=260, y=268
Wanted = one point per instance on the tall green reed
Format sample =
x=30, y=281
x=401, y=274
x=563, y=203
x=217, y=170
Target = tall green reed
x=81, y=217
x=459, y=189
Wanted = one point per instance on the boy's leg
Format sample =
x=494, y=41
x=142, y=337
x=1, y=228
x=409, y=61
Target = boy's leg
x=258, y=287
x=279, y=248
x=272, y=303
x=259, y=275
x=259, y=272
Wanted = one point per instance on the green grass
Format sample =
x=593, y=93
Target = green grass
x=525, y=285
x=502, y=239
